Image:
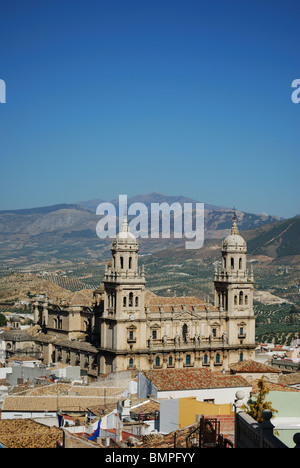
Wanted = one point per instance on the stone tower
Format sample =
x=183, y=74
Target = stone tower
x=233, y=285
x=124, y=311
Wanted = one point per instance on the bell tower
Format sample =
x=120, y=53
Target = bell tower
x=233, y=286
x=123, y=319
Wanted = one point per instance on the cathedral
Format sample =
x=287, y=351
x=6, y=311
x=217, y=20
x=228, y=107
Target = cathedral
x=122, y=326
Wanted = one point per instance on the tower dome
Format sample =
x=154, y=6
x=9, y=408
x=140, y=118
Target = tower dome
x=125, y=236
x=234, y=242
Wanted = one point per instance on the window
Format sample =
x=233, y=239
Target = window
x=232, y=263
x=241, y=331
x=188, y=360
x=170, y=361
x=184, y=331
x=124, y=301
x=122, y=263
x=241, y=357
x=241, y=298
x=130, y=301
x=214, y=332
x=235, y=300
x=58, y=323
x=136, y=301
x=130, y=365
x=246, y=300
x=157, y=361
x=130, y=263
x=224, y=260
x=154, y=334
x=217, y=358
x=131, y=334
x=240, y=263
x=205, y=359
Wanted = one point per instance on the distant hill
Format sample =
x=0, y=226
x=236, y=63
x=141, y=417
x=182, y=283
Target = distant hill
x=279, y=241
x=276, y=240
x=68, y=231
x=40, y=210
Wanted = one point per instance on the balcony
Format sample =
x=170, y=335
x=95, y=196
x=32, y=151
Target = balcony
x=131, y=340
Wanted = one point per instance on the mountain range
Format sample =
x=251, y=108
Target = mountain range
x=68, y=231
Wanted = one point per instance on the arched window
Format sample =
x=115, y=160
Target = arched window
x=232, y=263
x=157, y=361
x=241, y=357
x=130, y=363
x=217, y=358
x=136, y=301
x=246, y=300
x=235, y=300
x=122, y=263
x=130, y=300
x=240, y=263
x=205, y=359
x=224, y=262
x=184, y=331
x=124, y=301
x=58, y=323
x=170, y=361
x=188, y=359
x=130, y=263
x=241, y=301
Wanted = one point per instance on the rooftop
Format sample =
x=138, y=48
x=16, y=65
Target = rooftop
x=169, y=440
x=24, y=433
x=147, y=407
x=69, y=403
x=252, y=367
x=279, y=387
x=190, y=379
x=155, y=303
x=290, y=379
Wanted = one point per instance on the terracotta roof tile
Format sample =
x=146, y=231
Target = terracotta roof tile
x=272, y=387
x=24, y=433
x=155, y=302
x=290, y=379
x=168, y=440
x=190, y=379
x=253, y=367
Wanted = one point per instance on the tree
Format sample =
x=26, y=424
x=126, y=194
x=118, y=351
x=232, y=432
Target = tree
x=258, y=403
x=3, y=321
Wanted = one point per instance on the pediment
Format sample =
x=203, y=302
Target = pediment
x=155, y=326
x=186, y=314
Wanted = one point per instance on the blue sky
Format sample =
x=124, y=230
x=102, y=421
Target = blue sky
x=189, y=97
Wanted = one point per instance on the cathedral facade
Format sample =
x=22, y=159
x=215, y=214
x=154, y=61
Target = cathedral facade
x=123, y=326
